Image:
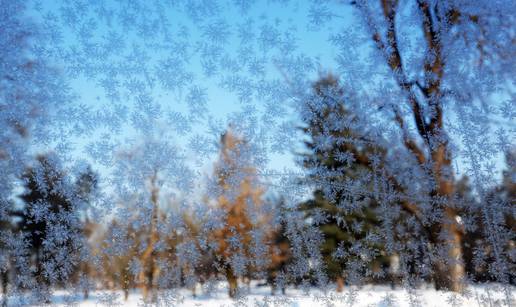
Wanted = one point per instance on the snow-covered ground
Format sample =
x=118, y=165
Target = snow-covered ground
x=491, y=295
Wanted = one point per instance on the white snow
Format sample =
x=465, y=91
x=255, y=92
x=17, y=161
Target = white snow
x=380, y=296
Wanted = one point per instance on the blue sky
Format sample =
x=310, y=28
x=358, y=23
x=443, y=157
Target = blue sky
x=77, y=32
x=291, y=18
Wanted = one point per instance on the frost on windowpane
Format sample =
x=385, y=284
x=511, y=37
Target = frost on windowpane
x=257, y=152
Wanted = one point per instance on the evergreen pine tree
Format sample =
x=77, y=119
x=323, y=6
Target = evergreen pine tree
x=50, y=223
x=346, y=217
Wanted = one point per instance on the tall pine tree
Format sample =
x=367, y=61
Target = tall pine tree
x=339, y=207
x=50, y=223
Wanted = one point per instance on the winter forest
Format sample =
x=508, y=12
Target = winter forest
x=257, y=153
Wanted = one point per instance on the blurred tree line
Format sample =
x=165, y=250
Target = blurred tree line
x=245, y=237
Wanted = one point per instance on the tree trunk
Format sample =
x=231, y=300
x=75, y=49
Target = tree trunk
x=394, y=268
x=194, y=292
x=148, y=292
x=86, y=271
x=449, y=272
x=340, y=283
x=125, y=283
x=126, y=294
x=247, y=281
x=232, y=282
x=148, y=257
x=5, y=280
x=43, y=283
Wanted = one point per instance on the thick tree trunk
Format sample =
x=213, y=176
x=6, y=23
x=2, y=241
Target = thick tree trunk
x=449, y=272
